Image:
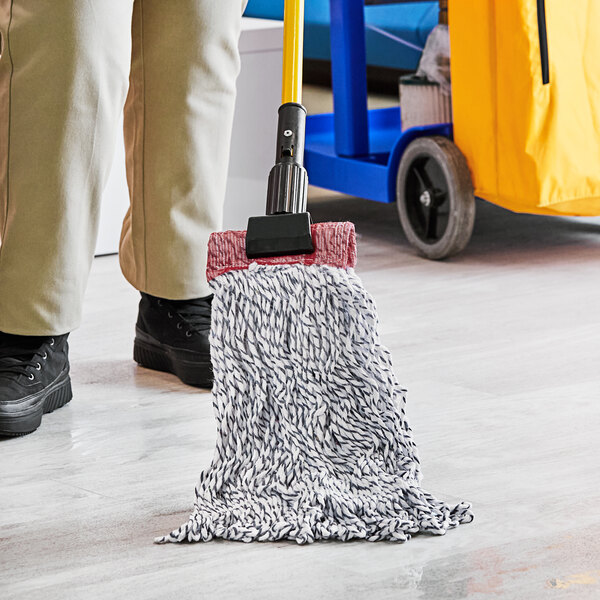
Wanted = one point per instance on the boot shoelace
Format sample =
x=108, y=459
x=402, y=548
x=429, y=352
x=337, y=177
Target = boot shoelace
x=23, y=361
x=194, y=315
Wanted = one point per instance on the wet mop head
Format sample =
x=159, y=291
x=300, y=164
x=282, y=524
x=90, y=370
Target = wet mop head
x=312, y=437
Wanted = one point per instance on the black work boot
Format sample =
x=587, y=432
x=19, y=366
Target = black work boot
x=34, y=380
x=172, y=336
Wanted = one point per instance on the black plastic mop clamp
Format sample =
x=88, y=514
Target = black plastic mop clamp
x=285, y=229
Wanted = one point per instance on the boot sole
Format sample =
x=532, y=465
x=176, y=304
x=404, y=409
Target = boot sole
x=151, y=354
x=56, y=395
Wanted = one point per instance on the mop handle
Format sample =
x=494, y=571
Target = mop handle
x=285, y=230
x=293, y=42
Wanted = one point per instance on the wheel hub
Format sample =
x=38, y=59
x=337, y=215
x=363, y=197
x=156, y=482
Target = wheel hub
x=425, y=198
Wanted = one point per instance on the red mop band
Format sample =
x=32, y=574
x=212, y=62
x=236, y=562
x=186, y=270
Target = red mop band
x=335, y=246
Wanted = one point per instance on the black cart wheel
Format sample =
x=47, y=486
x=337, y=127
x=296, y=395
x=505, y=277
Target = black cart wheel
x=435, y=198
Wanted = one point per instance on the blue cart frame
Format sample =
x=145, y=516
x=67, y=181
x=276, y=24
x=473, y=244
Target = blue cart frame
x=355, y=150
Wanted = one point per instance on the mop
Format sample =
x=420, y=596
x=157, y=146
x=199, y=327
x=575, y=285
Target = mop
x=312, y=437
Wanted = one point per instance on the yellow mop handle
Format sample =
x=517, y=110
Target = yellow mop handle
x=293, y=43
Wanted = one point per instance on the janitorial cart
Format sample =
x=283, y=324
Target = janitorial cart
x=524, y=131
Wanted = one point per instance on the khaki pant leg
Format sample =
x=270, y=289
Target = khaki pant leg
x=178, y=119
x=63, y=82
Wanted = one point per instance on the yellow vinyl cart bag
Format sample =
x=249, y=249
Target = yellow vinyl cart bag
x=526, y=101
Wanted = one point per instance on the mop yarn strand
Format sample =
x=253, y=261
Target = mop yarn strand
x=312, y=436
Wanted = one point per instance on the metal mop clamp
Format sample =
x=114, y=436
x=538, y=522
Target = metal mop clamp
x=285, y=230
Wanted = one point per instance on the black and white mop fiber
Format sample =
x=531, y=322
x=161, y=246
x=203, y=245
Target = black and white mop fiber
x=312, y=440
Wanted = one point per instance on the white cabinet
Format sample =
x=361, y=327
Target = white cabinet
x=255, y=122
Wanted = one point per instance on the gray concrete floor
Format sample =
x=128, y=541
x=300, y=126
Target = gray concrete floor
x=499, y=349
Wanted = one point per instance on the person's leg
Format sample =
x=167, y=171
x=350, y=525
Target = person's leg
x=63, y=81
x=178, y=120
